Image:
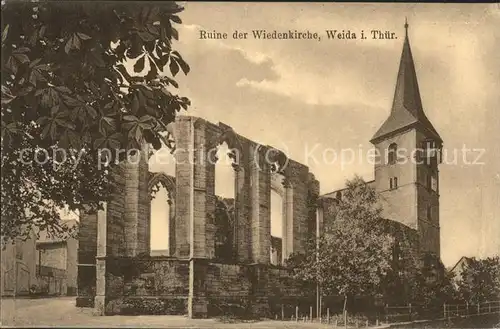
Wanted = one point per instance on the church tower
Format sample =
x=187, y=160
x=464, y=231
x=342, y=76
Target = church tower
x=406, y=175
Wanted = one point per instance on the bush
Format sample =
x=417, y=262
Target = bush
x=143, y=306
x=153, y=306
x=229, y=310
x=33, y=289
x=352, y=320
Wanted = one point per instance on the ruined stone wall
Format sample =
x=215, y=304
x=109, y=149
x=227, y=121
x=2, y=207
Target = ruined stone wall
x=196, y=145
x=121, y=231
x=156, y=285
x=160, y=285
x=244, y=289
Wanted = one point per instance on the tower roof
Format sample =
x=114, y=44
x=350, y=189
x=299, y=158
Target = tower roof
x=407, y=106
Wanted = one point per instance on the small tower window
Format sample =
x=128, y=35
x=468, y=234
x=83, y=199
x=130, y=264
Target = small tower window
x=393, y=183
x=429, y=213
x=391, y=154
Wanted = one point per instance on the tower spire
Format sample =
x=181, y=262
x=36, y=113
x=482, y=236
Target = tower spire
x=407, y=105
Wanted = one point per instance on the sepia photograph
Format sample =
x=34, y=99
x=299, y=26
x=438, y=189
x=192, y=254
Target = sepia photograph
x=250, y=164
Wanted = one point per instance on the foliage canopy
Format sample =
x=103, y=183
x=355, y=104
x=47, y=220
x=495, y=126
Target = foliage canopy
x=67, y=85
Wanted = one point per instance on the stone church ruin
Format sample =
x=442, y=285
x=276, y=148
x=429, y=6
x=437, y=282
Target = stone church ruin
x=219, y=249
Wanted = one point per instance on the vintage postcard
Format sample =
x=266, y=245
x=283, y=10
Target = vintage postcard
x=273, y=165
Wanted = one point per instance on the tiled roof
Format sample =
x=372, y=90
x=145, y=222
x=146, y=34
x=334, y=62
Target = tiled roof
x=463, y=260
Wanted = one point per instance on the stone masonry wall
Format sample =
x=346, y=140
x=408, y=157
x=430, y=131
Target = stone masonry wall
x=237, y=289
x=160, y=285
x=156, y=285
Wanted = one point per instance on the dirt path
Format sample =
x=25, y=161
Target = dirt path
x=62, y=312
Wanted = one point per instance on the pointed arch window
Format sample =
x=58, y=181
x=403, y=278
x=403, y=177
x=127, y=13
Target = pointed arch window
x=391, y=154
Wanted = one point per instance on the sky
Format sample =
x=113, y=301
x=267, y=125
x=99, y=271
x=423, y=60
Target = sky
x=310, y=98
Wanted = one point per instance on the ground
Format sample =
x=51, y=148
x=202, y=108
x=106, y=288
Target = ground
x=22, y=312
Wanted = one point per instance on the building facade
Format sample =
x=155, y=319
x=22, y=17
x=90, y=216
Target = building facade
x=43, y=265
x=18, y=272
x=57, y=263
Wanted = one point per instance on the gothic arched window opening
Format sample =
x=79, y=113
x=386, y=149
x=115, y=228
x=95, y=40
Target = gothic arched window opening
x=225, y=189
x=391, y=154
x=224, y=223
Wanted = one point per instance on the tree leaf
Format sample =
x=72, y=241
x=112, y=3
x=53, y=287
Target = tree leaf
x=54, y=110
x=35, y=62
x=76, y=42
x=174, y=67
x=139, y=65
x=176, y=19
x=91, y=111
x=12, y=65
x=175, y=34
x=146, y=36
x=138, y=135
x=7, y=96
x=184, y=66
x=69, y=45
x=96, y=55
x=21, y=50
x=83, y=36
x=5, y=32
x=146, y=118
x=135, y=104
x=45, y=131
x=63, y=89
x=130, y=118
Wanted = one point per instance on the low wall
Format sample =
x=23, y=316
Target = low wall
x=247, y=290
x=157, y=285
x=160, y=285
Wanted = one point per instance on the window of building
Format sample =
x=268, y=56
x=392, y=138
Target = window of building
x=393, y=183
x=434, y=183
x=429, y=212
x=431, y=151
x=391, y=154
